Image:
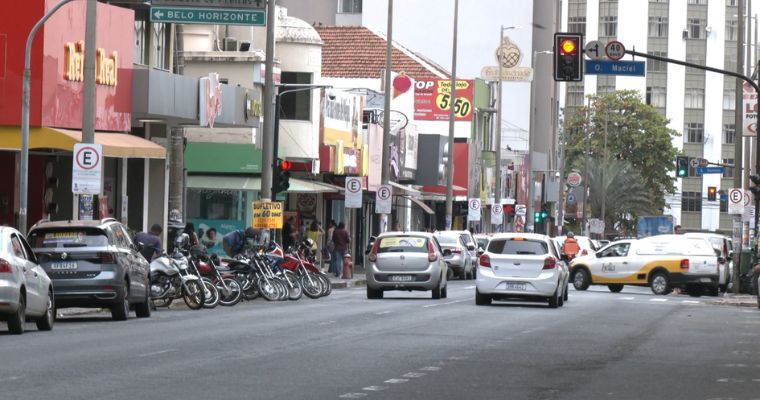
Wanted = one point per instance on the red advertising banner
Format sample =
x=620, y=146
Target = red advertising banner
x=432, y=100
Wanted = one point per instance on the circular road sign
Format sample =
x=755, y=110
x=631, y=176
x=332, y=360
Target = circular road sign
x=614, y=50
x=520, y=209
x=570, y=198
x=574, y=179
x=496, y=209
x=594, y=50
x=475, y=204
x=354, y=185
x=735, y=196
x=384, y=192
x=694, y=162
x=87, y=158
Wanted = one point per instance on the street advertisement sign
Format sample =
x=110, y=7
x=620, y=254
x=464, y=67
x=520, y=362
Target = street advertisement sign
x=353, y=192
x=383, y=199
x=432, y=99
x=209, y=99
x=85, y=208
x=521, y=210
x=627, y=68
x=473, y=209
x=235, y=4
x=208, y=16
x=516, y=74
x=267, y=215
x=87, y=168
x=497, y=214
x=735, y=201
x=749, y=110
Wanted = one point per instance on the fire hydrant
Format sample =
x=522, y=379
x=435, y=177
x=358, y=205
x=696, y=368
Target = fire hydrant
x=348, y=267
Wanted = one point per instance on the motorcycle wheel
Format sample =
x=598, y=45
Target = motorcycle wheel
x=162, y=302
x=192, y=293
x=210, y=294
x=312, y=286
x=282, y=288
x=268, y=289
x=234, y=295
x=326, y=284
x=294, y=287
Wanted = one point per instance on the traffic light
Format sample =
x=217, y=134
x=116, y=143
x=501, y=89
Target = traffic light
x=712, y=191
x=682, y=166
x=537, y=217
x=541, y=215
x=755, y=187
x=568, y=57
x=281, y=176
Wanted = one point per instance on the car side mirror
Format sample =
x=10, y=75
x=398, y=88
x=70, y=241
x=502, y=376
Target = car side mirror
x=481, y=251
x=446, y=252
x=470, y=247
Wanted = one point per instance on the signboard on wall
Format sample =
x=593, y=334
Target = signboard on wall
x=432, y=100
x=749, y=110
x=267, y=215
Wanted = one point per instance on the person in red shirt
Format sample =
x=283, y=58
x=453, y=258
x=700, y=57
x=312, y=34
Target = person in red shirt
x=570, y=247
x=341, y=240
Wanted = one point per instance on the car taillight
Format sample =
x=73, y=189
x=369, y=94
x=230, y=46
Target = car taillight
x=456, y=251
x=106, y=258
x=485, y=261
x=373, y=253
x=684, y=264
x=431, y=252
x=550, y=263
x=5, y=267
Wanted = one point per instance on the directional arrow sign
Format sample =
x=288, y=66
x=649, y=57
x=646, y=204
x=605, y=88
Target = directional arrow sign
x=208, y=16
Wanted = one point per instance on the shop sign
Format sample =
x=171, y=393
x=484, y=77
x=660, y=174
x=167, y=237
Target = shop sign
x=749, y=116
x=267, y=215
x=106, y=67
x=342, y=119
x=432, y=100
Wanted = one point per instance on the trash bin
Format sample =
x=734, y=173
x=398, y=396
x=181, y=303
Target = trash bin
x=745, y=261
x=348, y=267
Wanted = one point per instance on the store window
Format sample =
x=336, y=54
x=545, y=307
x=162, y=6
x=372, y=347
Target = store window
x=139, y=40
x=296, y=105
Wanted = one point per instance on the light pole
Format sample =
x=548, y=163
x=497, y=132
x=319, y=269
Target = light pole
x=452, y=120
x=385, y=173
x=532, y=136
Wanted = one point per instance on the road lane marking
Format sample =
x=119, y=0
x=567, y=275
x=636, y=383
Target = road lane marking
x=690, y=302
x=627, y=298
x=353, y=395
x=383, y=312
x=374, y=388
x=326, y=322
x=396, y=380
x=659, y=300
x=10, y=378
x=414, y=375
x=430, y=369
x=155, y=353
x=433, y=305
x=456, y=301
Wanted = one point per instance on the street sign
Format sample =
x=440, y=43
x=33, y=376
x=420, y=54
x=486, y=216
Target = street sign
x=87, y=168
x=234, y=4
x=497, y=214
x=627, y=68
x=521, y=210
x=571, y=198
x=473, y=210
x=383, y=199
x=594, y=49
x=614, y=50
x=709, y=170
x=694, y=162
x=353, y=192
x=735, y=201
x=574, y=179
x=208, y=16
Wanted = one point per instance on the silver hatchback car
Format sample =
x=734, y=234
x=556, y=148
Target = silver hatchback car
x=407, y=261
x=25, y=289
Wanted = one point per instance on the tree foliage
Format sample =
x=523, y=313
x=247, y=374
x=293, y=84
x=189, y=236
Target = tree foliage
x=639, y=144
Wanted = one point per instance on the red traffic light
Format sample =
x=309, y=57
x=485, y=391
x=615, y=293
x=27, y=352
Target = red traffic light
x=568, y=47
x=285, y=165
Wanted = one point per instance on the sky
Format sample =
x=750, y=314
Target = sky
x=426, y=27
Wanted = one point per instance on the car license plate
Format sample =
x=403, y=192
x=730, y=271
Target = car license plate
x=401, y=278
x=64, y=265
x=515, y=286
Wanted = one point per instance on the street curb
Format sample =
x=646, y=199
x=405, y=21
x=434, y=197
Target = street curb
x=737, y=301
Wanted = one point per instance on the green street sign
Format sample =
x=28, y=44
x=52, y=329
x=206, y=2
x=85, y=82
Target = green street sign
x=208, y=16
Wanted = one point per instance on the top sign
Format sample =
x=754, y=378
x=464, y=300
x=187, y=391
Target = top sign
x=614, y=50
x=233, y=4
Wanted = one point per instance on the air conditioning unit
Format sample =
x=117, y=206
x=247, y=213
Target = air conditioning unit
x=230, y=44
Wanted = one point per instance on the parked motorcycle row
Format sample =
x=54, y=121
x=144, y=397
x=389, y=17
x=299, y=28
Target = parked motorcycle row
x=204, y=280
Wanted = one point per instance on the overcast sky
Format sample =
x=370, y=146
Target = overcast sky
x=426, y=26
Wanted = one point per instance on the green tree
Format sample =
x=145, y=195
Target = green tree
x=638, y=142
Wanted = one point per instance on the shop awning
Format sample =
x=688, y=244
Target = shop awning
x=421, y=204
x=121, y=145
x=405, y=188
x=253, y=183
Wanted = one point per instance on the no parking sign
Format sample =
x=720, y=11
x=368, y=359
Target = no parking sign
x=87, y=168
x=497, y=214
x=473, y=210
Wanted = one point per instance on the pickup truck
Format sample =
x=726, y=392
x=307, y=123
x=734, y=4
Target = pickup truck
x=661, y=262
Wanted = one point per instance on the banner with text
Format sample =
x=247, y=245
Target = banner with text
x=267, y=215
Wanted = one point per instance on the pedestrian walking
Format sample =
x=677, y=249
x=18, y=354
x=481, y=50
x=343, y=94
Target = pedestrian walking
x=150, y=242
x=342, y=240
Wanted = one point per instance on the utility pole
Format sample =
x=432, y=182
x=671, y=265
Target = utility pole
x=739, y=172
x=386, y=163
x=88, y=93
x=585, y=169
x=498, y=125
x=452, y=119
x=267, y=147
x=604, y=183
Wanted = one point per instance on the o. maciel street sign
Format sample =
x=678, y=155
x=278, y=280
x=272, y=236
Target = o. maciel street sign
x=209, y=16
x=627, y=68
x=232, y=4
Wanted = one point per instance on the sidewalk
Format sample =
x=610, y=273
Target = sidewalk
x=358, y=280
x=738, y=300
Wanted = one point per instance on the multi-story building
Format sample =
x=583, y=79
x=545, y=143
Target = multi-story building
x=698, y=104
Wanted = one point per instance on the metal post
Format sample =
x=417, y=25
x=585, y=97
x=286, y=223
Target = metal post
x=25, y=93
x=604, y=184
x=267, y=147
x=585, y=169
x=739, y=171
x=88, y=93
x=275, y=145
x=498, y=125
x=452, y=120
x=386, y=162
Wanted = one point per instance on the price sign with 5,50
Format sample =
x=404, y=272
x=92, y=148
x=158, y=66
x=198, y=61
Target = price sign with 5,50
x=462, y=106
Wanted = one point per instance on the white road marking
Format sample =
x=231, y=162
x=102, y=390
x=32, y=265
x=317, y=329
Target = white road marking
x=690, y=302
x=155, y=353
x=430, y=369
x=10, y=378
x=735, y=365
x=433, y=305
x=374, y=388
x=457, y=301
x=659, y=300
x=353, y=395
x=469, y=287
x=414, y=375
x=383, y=312
x=627, y=298
x=396, y=380
x=326, y=322
x=730, y=380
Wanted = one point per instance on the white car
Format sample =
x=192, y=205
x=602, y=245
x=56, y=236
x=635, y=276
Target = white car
x=521, y=266
x=723, y=246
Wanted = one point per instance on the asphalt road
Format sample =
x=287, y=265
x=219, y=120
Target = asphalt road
x=600, y=345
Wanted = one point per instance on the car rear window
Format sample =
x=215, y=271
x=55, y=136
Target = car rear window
x=445, y=239
x=402, y=244
x=517, y=246
x=68, y=238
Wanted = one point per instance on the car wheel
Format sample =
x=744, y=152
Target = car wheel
x=436, y=295
x=554, y=299
x=17, y=320
x=142, y=310
x=615, y=287
x=449, y=273
x=581, y=279
x=713, y=291
x=374, y=293
x=120, y=309
x=660, y=283
x=565, y=295
x=474, y=273
x=463, y=275
x=445, y=292
x=45, y=322
x=484, y=299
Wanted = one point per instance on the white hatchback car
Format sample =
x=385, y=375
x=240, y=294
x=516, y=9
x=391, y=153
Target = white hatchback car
x=521, y=266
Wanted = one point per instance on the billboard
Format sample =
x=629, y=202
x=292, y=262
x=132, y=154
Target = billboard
x=432, y=100
x=342, y=119
x=749, y=110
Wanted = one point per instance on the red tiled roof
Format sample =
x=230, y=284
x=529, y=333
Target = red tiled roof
x=357, y=52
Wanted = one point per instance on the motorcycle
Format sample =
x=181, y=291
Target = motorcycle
x=229, y=288
x=299, y=260
x=170, y=278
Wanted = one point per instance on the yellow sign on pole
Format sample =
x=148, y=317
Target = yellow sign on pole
x=267, y=215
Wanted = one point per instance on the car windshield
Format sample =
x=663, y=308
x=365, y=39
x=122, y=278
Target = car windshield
x=517, y=246
x=447, y=239
x=402, y=244
x=49, y=238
